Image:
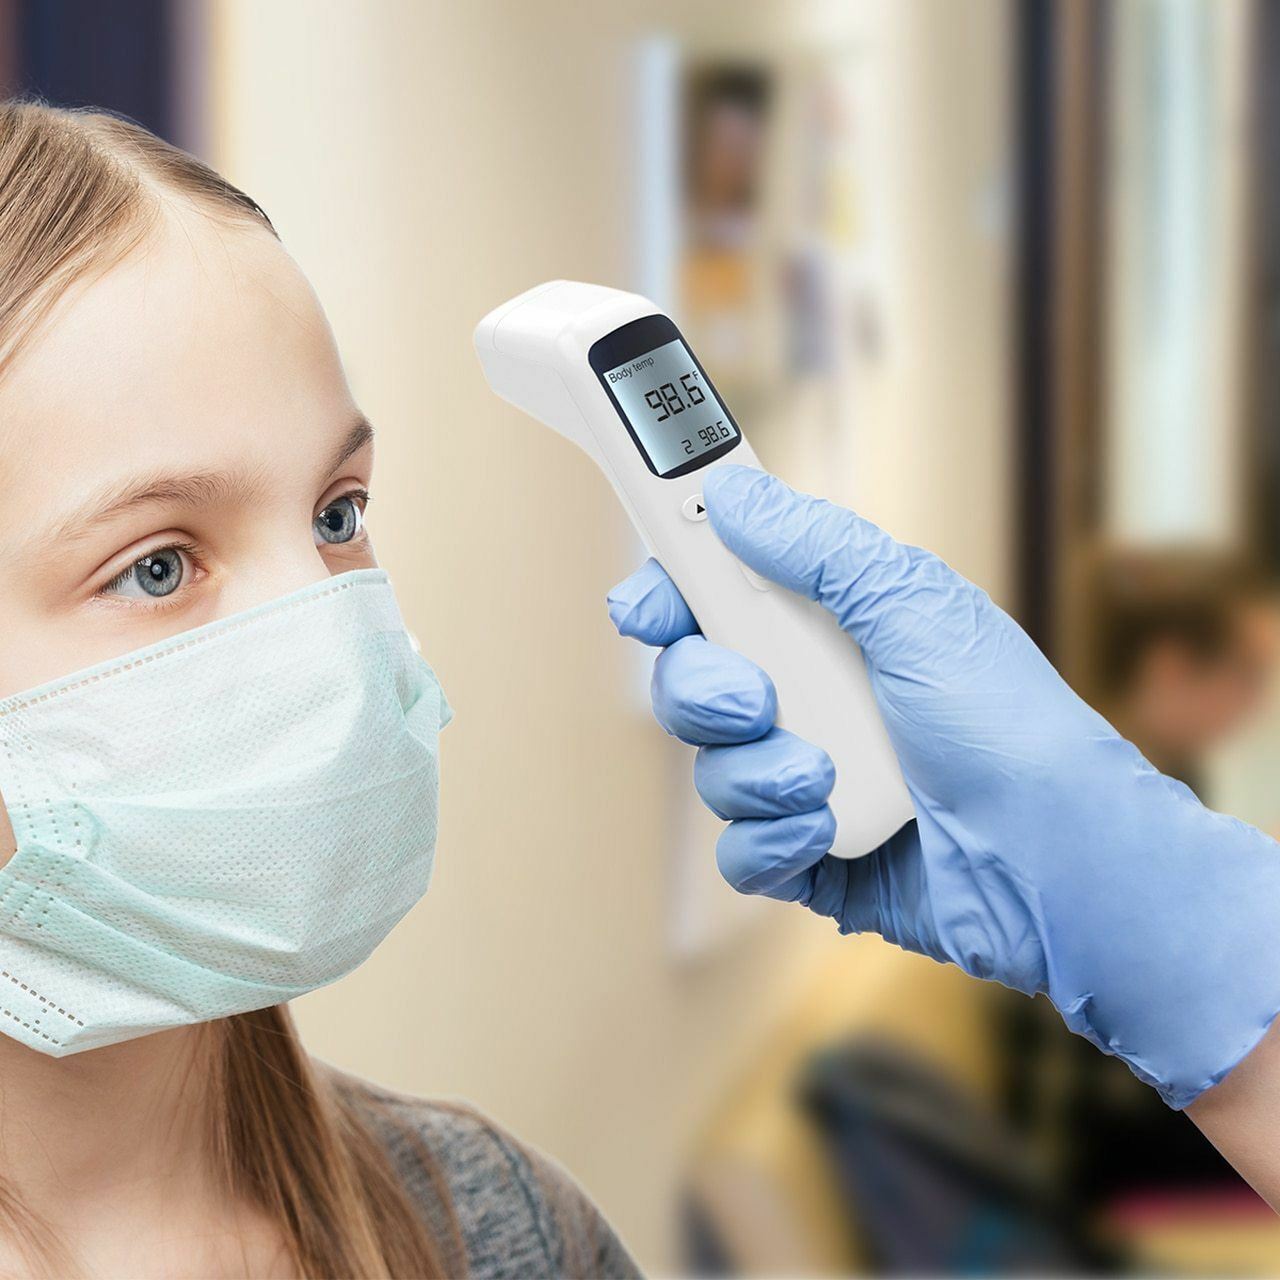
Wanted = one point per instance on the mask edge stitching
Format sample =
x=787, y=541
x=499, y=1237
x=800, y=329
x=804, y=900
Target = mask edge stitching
x=9, y=1013
x=44, y=1000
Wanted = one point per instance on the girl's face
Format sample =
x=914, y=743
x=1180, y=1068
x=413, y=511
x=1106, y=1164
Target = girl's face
x=177, y=442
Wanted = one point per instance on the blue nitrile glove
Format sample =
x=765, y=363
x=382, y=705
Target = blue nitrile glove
x=1046, y=852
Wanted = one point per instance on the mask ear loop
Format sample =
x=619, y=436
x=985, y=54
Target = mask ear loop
x=8, y=839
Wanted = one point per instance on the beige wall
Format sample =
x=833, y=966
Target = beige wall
x=936, y=468
x=424, y=161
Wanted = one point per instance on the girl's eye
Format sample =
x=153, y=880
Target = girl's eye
x=154, y=576
x=340, y=521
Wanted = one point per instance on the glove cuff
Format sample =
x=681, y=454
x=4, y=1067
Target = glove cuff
x=1178, y=973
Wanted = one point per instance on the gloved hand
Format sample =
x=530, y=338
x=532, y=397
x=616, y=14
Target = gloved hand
x=1046, y=852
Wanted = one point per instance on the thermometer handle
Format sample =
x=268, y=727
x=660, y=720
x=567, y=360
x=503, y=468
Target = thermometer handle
x=824, y=695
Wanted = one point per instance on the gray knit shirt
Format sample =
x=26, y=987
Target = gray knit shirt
x=501, y=1209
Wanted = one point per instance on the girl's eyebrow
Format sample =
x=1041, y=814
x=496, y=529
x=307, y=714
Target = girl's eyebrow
x=361, y=434
x=186, y=489
x=189, y=489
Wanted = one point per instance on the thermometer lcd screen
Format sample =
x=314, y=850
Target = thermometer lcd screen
x=672, y=410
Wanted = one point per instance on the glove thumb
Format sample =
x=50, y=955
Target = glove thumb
x=877, y=588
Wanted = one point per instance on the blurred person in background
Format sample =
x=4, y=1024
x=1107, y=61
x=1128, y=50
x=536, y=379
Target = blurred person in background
x=200, y=828
x=1182, y=647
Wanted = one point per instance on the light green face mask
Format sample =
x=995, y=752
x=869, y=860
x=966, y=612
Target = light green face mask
x=216, y=822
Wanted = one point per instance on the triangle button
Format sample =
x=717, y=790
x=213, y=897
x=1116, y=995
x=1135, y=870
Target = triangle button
x=693, y=508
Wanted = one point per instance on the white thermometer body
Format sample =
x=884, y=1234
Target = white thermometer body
x=608, y=370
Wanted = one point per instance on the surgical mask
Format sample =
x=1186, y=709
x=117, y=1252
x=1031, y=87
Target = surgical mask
x=217, y=822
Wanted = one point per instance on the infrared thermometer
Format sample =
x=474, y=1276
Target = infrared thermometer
x=611, y=372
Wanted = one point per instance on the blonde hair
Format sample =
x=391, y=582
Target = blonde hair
x=78, y=191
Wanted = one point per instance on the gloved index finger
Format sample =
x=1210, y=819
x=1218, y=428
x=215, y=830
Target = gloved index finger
x=878, y=589
x=648, y=607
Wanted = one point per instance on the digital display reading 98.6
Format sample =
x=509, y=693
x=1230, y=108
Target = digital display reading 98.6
x=673, y=413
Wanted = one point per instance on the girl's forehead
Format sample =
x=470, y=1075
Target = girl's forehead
x=205, y=338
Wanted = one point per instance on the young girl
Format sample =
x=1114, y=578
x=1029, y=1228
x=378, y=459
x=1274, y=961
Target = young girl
x=217, y=759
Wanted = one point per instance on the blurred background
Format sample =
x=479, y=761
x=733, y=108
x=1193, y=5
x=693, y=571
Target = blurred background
x=1005, y=276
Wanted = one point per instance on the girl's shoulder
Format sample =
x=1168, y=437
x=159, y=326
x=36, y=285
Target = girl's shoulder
x=511, y=1210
